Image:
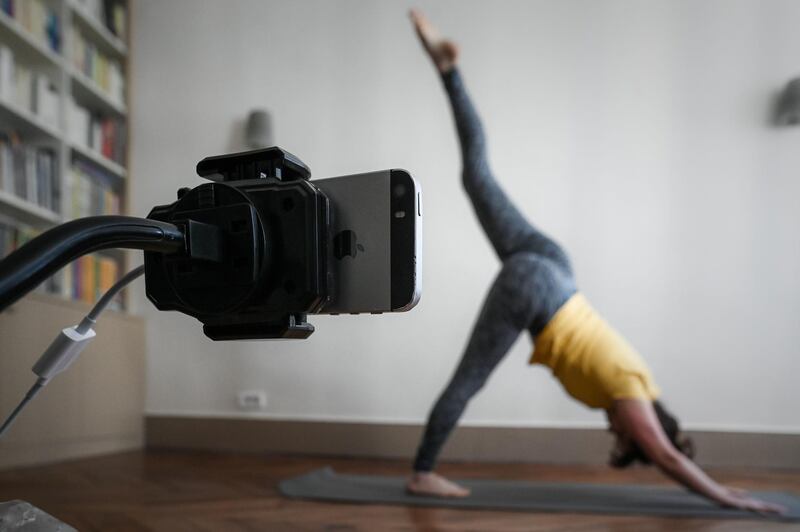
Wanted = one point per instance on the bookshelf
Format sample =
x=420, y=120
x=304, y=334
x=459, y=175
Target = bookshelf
x=63, y=127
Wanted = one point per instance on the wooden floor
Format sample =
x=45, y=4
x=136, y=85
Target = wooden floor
x=177, y=491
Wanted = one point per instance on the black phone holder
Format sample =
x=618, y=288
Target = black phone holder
x=256, y=238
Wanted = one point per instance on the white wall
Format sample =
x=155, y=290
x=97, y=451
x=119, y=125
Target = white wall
x=636, y=132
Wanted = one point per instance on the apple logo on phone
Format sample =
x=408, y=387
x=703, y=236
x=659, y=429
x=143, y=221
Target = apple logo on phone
x=345, y=243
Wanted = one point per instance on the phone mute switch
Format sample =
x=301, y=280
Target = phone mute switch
x=376, y=313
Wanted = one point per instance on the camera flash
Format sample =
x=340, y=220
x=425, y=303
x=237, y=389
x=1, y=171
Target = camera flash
x=400, y=214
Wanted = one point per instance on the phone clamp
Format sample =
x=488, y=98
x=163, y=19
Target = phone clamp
x=257, y=235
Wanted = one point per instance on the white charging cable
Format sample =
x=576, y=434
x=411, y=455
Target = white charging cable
x=66, y=347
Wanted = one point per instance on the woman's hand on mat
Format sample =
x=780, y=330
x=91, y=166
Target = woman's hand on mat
x=434, y=485
x=741, y=499
x=442, y=52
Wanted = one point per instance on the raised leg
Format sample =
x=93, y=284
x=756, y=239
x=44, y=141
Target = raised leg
x=504, y=225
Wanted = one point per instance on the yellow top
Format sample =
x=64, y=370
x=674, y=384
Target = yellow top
x=590, y=359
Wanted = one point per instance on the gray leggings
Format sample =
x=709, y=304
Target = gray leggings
x=534, y=281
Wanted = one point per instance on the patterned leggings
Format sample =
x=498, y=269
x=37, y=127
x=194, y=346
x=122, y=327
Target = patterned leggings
x=534, y=282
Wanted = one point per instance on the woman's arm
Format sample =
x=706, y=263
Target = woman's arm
x=639, y=421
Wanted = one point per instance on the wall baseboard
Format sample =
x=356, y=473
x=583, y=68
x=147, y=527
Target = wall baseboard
x=481, y=444
x=38, y=454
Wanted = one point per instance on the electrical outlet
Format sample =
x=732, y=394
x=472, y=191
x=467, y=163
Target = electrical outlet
x=252, y=400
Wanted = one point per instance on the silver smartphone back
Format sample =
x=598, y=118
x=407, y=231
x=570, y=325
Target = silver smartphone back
x=375, y=245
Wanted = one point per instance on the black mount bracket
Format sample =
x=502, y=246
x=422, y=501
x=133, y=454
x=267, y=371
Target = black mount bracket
x=272, y=268
x=272, y=162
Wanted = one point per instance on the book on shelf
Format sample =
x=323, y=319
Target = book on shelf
x=29, y=172
x=104, y=71
x=89, y=277
x=37, y=17
x=23, y=87
x=92, y=193
x=116, y=17
x=113, y=14
x=45, y=100
x=8, y=87
x=102, y=134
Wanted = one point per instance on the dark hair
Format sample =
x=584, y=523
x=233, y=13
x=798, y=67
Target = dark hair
x=670, y=425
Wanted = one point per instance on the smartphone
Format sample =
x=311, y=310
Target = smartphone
x=375, y=242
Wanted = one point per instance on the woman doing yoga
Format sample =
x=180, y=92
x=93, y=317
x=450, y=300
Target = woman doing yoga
x=536, y=291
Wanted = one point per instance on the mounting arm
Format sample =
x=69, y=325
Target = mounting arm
x=34, y=262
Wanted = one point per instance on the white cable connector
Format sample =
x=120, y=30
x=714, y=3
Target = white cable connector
x=63, y=351
x=67, y=346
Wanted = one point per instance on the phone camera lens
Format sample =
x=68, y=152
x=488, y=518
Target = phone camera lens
x=399, y=191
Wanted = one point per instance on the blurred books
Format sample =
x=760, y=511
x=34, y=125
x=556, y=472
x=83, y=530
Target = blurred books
x=104, y=71
x=102, y=134
x=38, y=18
x=62, y=162
x=27, y=90
x=89, y=277
x=92, y=192
x=29, y=172
x=111, y=13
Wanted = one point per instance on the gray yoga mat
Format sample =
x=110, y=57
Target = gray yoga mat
x=327, y=485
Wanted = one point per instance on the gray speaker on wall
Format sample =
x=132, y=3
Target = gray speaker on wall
x=788, y=111
x=258, y=133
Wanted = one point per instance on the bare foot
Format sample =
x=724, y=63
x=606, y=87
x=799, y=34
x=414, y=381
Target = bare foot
x=443, y=53
x=434, y=485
